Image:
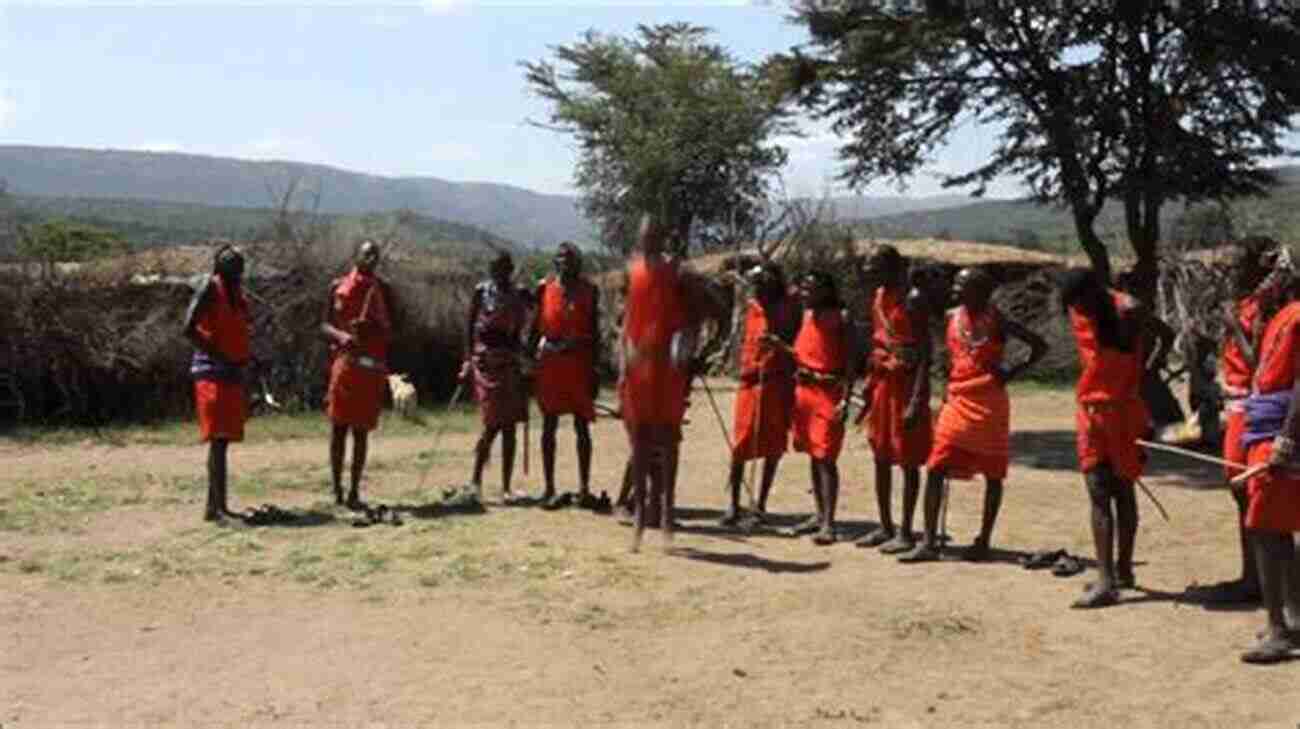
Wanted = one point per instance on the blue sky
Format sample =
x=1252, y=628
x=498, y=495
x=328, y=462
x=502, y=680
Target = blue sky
x=422, y=89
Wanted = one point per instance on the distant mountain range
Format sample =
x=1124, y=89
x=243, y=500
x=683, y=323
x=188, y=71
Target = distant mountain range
x=523, y=216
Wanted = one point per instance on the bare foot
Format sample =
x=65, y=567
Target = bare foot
x=902, y=542
x=1275, y=647
x=824, y=537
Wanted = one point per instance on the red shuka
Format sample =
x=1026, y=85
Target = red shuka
x=221, y=406
x=973, y=432
x=564, y=379
x=1274, y=496
x=654, y=390
x=1235, y=375
x=890, y=384
x=1111, y=415
x=356, y=388
x=766, y=393
x=820, y=347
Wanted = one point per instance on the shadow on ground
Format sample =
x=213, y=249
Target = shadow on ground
x=1055, y=449
x=751, y=561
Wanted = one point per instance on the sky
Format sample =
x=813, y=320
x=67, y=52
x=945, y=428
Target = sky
x=428, y=89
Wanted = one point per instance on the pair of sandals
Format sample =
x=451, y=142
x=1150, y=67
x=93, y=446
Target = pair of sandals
x=377, y=515
x=888, y=541
x=269, y=515
x=1059, y=561
x=583, y=500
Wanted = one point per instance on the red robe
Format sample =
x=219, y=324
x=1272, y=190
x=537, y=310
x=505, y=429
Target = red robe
x=973, y=432
x=821, y=348
x=1274, y=496
x=766, y=392
x=890, y=383
x=565, y=382
x=654, y=388
x=1111, y=415
x=1235, y=373
x=358, y=378
x=498, y=381
x=220, y=403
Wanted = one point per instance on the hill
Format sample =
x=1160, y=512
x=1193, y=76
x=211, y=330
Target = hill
x=512, y=213
x=152, y=223
x=108, y=180
x=1029, y=225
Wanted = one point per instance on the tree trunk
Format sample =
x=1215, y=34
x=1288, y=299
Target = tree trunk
x=1142, y=214
x=1092, y=244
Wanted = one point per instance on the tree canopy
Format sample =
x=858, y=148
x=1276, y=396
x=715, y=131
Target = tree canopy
x=666, y=122
x=1141, y=101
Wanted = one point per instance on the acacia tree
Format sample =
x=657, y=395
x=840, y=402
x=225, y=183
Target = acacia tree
x=666, y=122
x=1141, y=101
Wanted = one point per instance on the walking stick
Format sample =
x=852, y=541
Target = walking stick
x=1159, y=507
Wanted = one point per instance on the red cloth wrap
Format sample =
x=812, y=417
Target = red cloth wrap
x=222, y=410
x=654, y=390
x=765, y=397
x=1273, y=497
x=356, y=392
x=1111, y=415
x=820, y=347
x=565, y=383
x=890, y=384
x=499, y=384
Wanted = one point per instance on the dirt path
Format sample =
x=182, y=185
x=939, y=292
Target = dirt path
x=128, y=611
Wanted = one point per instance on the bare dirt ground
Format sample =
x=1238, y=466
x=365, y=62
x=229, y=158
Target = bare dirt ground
x=118, y=607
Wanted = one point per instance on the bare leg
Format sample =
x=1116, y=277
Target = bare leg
x=902, y=541
x=1126, y=518
x=992, y=505
x=1245, y=589
x=884, y=498
x=928, y=549
x=360, y=446
x=481, y=452
x=1101, y=489
x=582, y=433
x=507, y=456
x=734, y=477
x=550, y=423
x=640, y=466
x=827, y=483
x=1275, y=553
x=669, y=492
x=770, y=465
x=216, y=506
x=338, y=446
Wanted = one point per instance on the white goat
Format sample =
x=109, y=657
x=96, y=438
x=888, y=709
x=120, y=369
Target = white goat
x=404, y=395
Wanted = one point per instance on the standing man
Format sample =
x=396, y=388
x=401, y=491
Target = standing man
x=666, y=306
x=898, y=392
x=217, y=324
x=973, y=433
x=766, y=393
x=498, y=312
x=1109, y=328
x=1273, y=496
x=1244, y=318
x=358, y=325
x=566, y=383
x=825, y=351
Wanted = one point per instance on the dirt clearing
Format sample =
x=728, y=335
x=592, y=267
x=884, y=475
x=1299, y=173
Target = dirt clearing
x=119, y=607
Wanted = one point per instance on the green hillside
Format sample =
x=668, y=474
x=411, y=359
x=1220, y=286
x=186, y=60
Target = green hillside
x=150, y=223
x=1028, y=225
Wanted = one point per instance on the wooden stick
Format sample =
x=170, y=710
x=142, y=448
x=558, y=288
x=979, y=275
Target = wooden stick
x=1190, y=454
x=1159, y=506
x=1249, y=473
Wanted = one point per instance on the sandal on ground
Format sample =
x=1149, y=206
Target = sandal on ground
x=558, y=501
x=1042, y=560
x=807, y=526
x=1269, y=650
x=874, y=538
x=824, y=537
x=921, y=553
x=729, y=519
x=1067, y=566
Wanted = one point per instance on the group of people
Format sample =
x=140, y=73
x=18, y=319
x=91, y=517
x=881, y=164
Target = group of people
x=801, y=361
